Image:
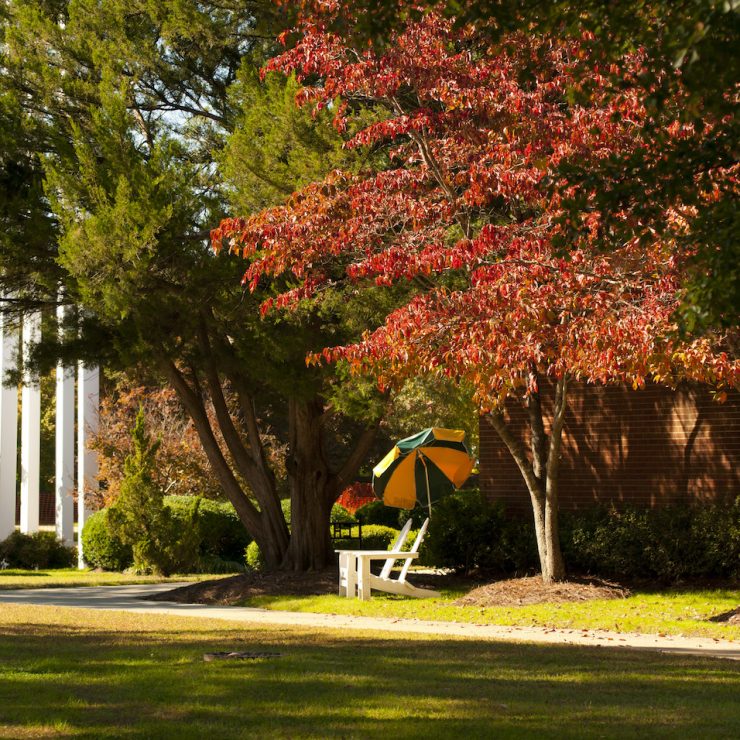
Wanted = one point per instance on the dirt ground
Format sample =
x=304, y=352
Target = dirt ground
x=509, y=592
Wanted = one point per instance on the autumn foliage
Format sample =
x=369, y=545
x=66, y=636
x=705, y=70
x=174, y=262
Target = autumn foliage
x=355, y=496
x=476, y=146
x=470, y=209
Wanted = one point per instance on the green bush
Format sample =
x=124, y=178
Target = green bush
x=221, y=534
x=666, y=545
x=37, y=550
x=101, y=548
x=374, y=537
x=159, y=542
x=340, y=515
x=467, y=532
x=376, y=512
x=253, y=557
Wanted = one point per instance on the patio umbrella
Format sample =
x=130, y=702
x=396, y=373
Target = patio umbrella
x=422, y=468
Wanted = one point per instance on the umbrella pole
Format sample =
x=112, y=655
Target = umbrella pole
x=426, y=475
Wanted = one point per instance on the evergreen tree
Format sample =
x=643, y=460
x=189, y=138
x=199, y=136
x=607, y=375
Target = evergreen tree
x=140, y=97
x=140, y=518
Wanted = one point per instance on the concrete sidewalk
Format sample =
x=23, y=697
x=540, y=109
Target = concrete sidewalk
x=131, y=599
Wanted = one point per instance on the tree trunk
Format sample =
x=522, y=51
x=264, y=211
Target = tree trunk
x=539, y=470
x=272, y=541
x=313, y=489
x=313, y=485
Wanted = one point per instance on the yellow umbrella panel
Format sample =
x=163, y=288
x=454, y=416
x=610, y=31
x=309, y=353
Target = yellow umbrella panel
x=422, y=468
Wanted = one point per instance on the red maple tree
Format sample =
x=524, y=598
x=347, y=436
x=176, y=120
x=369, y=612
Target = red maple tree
x=469, y=209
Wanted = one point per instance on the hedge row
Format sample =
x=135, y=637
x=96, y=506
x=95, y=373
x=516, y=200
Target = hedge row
x=224, y=543
x=666, y=545
x=221, y=535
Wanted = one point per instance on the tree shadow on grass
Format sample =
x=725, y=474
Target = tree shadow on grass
x=117, y=682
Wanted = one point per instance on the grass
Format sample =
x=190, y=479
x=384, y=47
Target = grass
x=70, y=577
x=670, y=612
x=80, y=673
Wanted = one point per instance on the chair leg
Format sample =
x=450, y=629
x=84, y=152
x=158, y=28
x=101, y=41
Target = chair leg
x=342, y=574
x=351, y=576
x=363, y=586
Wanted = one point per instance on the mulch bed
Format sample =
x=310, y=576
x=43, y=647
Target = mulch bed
x=234, y=589
x=510, y=592
x=522, y=591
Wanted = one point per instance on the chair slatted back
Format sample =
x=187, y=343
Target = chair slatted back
x=397, y=546
x=415, y=548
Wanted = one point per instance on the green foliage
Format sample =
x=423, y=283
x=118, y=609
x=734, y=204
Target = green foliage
x=277, y=147
x=220, y=532
x=340, y=515
x=37, y=550
x=467, y=532
x=376, y=512
x=102, y=549
x=666, y=545
x=253, y=557
x=374, y=537
x=160, y=543
x=220, y=535
x=669, y=544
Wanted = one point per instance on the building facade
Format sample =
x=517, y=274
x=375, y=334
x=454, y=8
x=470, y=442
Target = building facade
x=645, y=448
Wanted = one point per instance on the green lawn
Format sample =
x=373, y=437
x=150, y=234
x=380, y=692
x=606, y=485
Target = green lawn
x=80, y=673
x=670, y=612
x=56, y=577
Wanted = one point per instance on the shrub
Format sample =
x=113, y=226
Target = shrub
x=221, y=534
x=37, y=550
x=376, y=512
x=253, y=557
x=139, y=517
x=101, y=548
x=464, y=533
x=338, y=514
x=666, y=545
x=669, y=545
x=374, y=537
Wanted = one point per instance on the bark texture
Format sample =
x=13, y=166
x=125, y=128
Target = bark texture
x=539, y=466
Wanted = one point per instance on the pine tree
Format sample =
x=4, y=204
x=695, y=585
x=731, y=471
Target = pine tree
x=140, y=518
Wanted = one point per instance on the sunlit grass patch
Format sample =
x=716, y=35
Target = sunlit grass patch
x=60, y=577
x=85, y=673
x=670, y=612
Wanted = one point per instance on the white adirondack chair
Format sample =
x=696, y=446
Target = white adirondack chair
x=355, y=575
x=348, y=563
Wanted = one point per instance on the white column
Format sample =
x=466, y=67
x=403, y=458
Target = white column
x=65, y=449
x=88, y=392
x=8, y=428
x=30, y=429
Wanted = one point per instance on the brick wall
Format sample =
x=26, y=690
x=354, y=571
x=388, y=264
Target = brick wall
x=648, y=447
x=47, y=508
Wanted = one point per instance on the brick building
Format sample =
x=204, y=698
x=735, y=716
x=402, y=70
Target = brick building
x=646, y=448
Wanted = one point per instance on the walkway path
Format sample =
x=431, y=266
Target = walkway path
x=130, y=599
